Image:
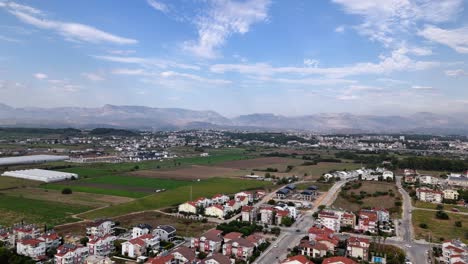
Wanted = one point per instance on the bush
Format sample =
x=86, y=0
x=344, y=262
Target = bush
x=458, y=224
x=440, y=207
x=423, y=225
x=67, y=191
x=442, y=215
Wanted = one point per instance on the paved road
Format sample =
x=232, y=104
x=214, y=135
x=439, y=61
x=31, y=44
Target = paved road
x=289, y=238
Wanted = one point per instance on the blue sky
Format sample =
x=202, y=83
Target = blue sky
x=237, y=57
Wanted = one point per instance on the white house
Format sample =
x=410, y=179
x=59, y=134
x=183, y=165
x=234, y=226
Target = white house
x=101, y=227
x=450, y=194
x=141, y=229
x=101, y=246
x=330, y=220
x=358, y=247
x=137, y=247
x=387, y=175
x=220, y=199
x=165, y=232
x=33, y=248
x=188, y=207
x=428, y=195
x=215, y=210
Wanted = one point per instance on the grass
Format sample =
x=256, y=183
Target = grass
x=138, y=182
x=179, y=195
x=447, y=207
x=97, y=190
x=439, y=229
x=10, y=182
x=323, y=186
x=15, y=209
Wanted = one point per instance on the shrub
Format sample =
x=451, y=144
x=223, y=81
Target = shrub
x=442, y=215
x=67, y=191
x=458, y=224
x=423, y=225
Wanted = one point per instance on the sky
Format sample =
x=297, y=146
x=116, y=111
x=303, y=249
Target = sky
x=237, y=57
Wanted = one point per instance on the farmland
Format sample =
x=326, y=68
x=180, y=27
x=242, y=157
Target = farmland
x=189, y=173
x=176, y=196
x=369, y=194
x=14, y=209
x=437, y=229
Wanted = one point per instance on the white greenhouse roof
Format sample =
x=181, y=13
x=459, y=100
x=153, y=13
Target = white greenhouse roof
x=31, y=159
x=40, y=175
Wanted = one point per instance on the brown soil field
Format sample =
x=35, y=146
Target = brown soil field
x=184, y=227
x=87, y=199
x=259, y=163
x=190, y=173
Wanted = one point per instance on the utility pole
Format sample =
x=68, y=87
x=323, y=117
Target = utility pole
x=191, y=192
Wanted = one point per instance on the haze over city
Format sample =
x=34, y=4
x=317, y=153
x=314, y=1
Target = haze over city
x=237, y=57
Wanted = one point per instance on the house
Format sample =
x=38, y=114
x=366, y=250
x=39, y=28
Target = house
x=220, y=199
x=138, y=246
x=249, y=214
x=210, y=241
x=307, y=195
x=95, y=259
x=240, y=247
x=203, y=202
x=231, y=205
x=461, y=181
x=387, y=175
x=280, y=214
x=259, y=194
x=383, y=215
x=283, y=193
x=188, y=207
x=101, y=246
x=427, y=179
x=291, y=187
x=217, y=258
x=141, y=229
x=33, y=248
x=347, y=219
x=165, y=232
x=266, y=215
x=51, y=239
x=411, y=179
x=325, y=236
x=249, y=195
x=358, y=248
x=215, y=210
x=368, y=221
x=231, y=236
x=299, y=259
x=338, y=260
x=161, y=260
x=452, y=251
x=22, y=231
x=100, y=228
x=409, y=172
x=243, y=200
x=429, y=195
x=256, y=239
x=314, y=249
x=70, y=254
x=450, y=194
x=183, y=255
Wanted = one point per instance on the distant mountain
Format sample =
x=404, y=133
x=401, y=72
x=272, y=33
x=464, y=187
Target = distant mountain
x=142, y=117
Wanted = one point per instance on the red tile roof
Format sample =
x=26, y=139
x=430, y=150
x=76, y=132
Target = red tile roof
x=299, y=258
x=336, y=260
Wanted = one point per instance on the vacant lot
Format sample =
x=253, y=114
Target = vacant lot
x=184, y=227
x=204, y=188
x=315, y=171
x=323, y=187
x=369, y=191
x=15, y=209
x=86, y=199
x=99, y=189
x=439, y=229
x=259, y=163
x=191, y=173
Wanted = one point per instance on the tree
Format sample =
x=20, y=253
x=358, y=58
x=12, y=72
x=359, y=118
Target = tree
x=287, y=221
x=67, y=191
x=458, y=223
x=442, y=215
x=423, y=225
x=271, y=202
x=84, y=241
x=440, y=207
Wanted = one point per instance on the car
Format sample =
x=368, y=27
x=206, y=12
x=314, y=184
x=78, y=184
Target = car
x=297, y=230
x=276, y=245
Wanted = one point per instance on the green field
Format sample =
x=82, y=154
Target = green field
x=15, y=209
x=179, y=195
x=433, y=206
x=139, y=182
x=88, y=189
x=10, y=182
x=439, y=229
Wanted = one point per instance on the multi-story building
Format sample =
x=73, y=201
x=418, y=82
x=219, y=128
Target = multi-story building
x=141, y=229
x=450, y=194
x=266, y=215
x=215, y=210
x=330, y=220
x=240, y=247
x=429, y=195
x=368, y=221
x=358, y=248
x=138, y=246
x=33, y=248
x=210, y=241
x=100, y=228
x=165, y=232
x=188, y=207
x=70, y=254
x=220, y=199
x=454, y=252
x=101, y=246
x=249, y=214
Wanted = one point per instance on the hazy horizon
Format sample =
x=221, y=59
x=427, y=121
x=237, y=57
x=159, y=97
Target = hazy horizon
x=397, y=57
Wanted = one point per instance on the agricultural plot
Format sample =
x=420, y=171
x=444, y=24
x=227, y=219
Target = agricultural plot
x=258, y=163
x=10, y=182
x=438, y=230
x=370, y=194
x=15, y=209
x=204, y=188
x=190, y=173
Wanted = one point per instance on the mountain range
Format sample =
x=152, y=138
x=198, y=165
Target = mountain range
x=150, y=118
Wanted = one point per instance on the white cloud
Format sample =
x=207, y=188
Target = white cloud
x=311, y=63
x=121, y=52
x=456, y=39
x=223, y=19
x=136, y=72
x=71, y=31
x=422, y=88
x=40, y=76
x=382, y=20
x=21, y=8
x=456, y=73
x=340, y=29
x=8, y=39
x=158, y=5
x=93, y=76
x=171, y=74
x=148, y=62
x=397, y=61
